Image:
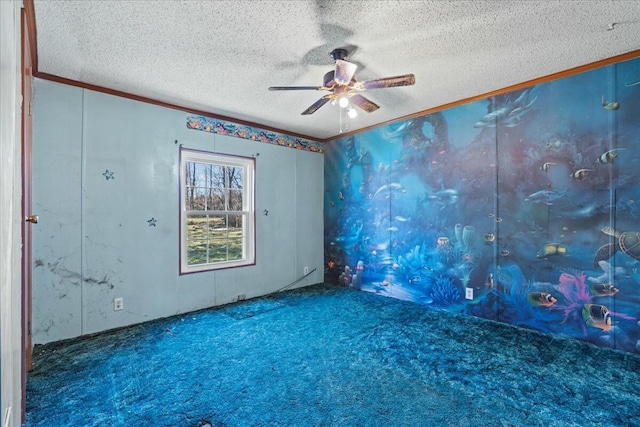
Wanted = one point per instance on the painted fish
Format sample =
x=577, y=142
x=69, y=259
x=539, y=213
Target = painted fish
x=583, y=212
x=597, y=315
x=490, y=283
x=610, y=156
x=511, y=114
x=446, y=197
x=609, y=105
x=552, y=249
x=546, y=196
x=543, y=299
x=581, y=174
x=602, y=289
x=394, y=187
x=545, y=167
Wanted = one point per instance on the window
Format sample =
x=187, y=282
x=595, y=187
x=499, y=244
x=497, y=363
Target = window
x=216, y=211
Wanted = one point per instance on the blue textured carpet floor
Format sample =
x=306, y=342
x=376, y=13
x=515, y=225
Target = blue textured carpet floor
x=330, y=356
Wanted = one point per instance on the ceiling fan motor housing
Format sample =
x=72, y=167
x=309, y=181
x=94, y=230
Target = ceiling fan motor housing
x=339, y=54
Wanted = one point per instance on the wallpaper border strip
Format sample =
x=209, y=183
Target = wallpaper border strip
x=220, y=127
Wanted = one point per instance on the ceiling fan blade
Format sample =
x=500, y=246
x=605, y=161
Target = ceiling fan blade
x=364, y=103
x=316, y=105
x=344, y=71
x=404, y=80
x=296, y=88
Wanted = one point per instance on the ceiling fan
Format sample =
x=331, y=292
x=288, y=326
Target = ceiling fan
x=344, y=87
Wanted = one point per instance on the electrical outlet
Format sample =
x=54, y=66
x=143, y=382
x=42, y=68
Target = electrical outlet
x=118, y=304
x=242, y=297
x=306, y=271
x=469, y=293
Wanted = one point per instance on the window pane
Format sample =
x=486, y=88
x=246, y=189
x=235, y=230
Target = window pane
x=196, y=239
x=236, y=237
x=196, y=198
x=197, y=253
x=216, y=199
x=188, y=199
x=217, y=175
x=190, y=174
x=217, y=227
x=235, y=247
x=235, y=224
x=201, y=180
x=235, y=177
x=235, y=200
x=196, y=228
x=217, y=250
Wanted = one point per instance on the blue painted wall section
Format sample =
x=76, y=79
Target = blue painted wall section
x=106, y=189
x=522, y=208
x=207, y=124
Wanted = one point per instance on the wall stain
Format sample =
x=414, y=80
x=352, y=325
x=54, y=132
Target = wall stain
x=103, y=281
x=75, y=277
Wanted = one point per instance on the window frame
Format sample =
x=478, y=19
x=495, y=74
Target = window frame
x=247, y=164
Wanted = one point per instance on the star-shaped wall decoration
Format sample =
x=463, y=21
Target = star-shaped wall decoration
x=152, y=222
x=108, y=175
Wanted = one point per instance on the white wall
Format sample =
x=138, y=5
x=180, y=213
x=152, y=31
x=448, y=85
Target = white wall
x=93, y=242
x=10, y=214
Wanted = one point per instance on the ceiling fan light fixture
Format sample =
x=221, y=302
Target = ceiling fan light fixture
x=352, y=113
x=344, y=88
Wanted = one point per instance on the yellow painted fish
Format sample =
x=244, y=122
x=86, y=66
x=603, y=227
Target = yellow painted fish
x=544, y=299
x=552, y=249
x=610, y=105
x=597, y=315
x=602, y=289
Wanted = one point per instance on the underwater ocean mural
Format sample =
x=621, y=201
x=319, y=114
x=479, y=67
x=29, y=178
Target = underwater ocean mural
x=522, y=208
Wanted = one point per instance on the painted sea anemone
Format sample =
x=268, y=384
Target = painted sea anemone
x=444, y=292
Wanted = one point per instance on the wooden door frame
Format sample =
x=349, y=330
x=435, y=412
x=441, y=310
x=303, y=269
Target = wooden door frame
x=26, y=159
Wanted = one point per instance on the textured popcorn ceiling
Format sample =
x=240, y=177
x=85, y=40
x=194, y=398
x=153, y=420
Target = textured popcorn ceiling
x=221, y=56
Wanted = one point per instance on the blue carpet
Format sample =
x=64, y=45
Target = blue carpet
x=330, y=356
